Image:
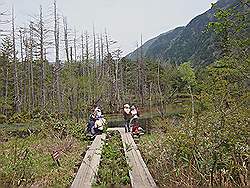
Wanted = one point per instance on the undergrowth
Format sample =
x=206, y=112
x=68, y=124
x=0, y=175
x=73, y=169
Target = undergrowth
x=27, y=161
x=113, y=169
x=193, y=155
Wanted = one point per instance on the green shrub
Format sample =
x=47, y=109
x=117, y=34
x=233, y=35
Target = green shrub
x=113, y=169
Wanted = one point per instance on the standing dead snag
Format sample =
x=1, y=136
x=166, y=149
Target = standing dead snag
x=66, y=41
x=94, y=46
x=99, y=57
x=102, y=57
x=142, y=74
x=16, y=84
x=87, y=52
x=75, y=47
x=57, y=62
x=22, y=74
x=82, y=55
x=31, y=75
x=41, y=35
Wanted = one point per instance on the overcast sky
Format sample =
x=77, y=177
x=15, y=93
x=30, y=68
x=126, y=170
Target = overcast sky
x=125, y=20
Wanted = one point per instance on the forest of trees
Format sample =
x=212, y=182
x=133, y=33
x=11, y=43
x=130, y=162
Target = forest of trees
x=88, y=69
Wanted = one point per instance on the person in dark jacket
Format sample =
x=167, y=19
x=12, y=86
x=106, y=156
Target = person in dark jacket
x=91, y=123
x=92, y=119
x=127, y=117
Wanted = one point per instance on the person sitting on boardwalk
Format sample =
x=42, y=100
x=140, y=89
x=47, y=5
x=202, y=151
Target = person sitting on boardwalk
x=100, y=121
x=126, y=116
x=91, y=123
x=95, y=121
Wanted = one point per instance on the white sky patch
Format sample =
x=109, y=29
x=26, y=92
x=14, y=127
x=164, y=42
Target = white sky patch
x=125, y=20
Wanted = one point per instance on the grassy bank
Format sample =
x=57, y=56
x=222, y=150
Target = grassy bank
x=188, y=155
x=113, y=169
x=27, y=161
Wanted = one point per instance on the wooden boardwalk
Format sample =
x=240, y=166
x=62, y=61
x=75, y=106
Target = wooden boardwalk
x=139, y=173
x=89, y=167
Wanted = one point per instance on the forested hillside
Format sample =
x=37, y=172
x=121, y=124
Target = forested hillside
x=192, y=42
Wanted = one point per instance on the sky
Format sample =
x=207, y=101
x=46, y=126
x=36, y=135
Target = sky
x=125, y=20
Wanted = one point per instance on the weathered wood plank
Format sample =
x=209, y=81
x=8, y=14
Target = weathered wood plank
x=89, y=167
x=139, y=174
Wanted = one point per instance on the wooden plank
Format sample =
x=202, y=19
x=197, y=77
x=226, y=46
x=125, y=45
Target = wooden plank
x=139, y=174
x=89, y=167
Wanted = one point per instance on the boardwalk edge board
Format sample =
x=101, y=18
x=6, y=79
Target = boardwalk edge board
x=89, y=167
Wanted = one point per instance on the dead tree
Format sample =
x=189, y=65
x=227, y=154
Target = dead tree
x=57, y=62
x=42, y=60
x=102, y=56
x=66, y=41
x=117, y=78
x=6, y=56
x=31, y=75
x=94, y=46
x=75, y=47
x=87, y=52
x=21, y=72
x=82, y=54
x=142, y=74
x=16, y=83
x=99, y=58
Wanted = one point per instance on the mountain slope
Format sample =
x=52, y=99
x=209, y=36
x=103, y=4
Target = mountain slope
x=185, y=43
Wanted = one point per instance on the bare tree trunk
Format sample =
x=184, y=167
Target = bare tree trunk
x=22, y=81
x=75, y=48
x=26, y=73
x=71, y=54
x=16, y=84
x=94, y=46
x=142, y=75
x=41, y=28
x=99, y=58
x=102, y=57
x=87, y=52
x=66, y=41
x=118, y=97
x=57, y=63
x=31, y=76
x=88, y=69
x=109, y=74
x=82, y=54
x=122, y=82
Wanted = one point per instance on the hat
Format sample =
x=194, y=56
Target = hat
x=126, y=106
x=133, y=107
x=97, y=109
